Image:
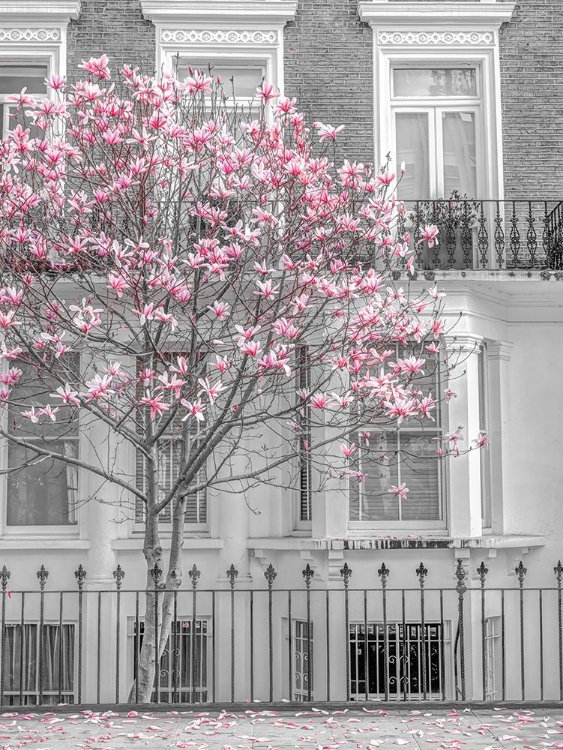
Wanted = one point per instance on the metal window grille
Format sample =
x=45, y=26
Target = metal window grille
x=404, y=660
x=176, y=675
x=492, y=642
x=301, y=656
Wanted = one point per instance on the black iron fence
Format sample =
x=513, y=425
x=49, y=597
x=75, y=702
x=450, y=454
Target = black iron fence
x=318, y=642
x=488, y=234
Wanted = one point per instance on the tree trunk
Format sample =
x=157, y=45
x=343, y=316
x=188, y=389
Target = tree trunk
x=159, y=600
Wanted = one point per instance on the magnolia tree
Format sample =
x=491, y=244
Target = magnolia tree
x=180, y=273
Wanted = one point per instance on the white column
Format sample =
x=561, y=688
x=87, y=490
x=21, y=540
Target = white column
x=99, y=629
x=465, y=470
x=498, y=356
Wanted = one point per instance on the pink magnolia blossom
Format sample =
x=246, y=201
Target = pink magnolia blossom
x=429, y=235
x=195, y=409
x=67, y=394
x=347, y=450
x=155, y=403
x=319, y=401
x=400, y=490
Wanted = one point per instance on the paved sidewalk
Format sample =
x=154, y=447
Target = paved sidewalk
x=370, y=727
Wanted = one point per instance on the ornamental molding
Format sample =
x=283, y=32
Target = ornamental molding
x=218, y=36
x=264, y=12
x=38, y=12
x=435, y=38
x=18, y=35
x=437, y=15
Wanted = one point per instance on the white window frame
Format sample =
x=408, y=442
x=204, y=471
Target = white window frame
x=45, y=531
x=439, y=427
x=441, y=34
x=32, y=31
x=219, y=31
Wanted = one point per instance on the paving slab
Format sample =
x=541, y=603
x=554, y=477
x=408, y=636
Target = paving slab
x=364, y=728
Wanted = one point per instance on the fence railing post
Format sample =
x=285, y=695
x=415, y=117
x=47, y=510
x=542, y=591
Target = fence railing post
x=119, y=575
x=270, y=575
x=308, y=574
x=80, y=575
x=156, y=573
x=461, y=588
x=4, y=578
x=383, y=573
x=558, y=570
x=232, y=574
x=482, y=571
x=194, y=575
x=346, y=573
x=42, y=575
x=521, y=574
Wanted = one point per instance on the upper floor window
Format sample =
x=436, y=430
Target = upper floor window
x=15, y=76
x=436, y=113
x=41, y=491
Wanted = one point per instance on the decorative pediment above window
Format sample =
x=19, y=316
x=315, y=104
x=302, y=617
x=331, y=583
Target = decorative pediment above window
x=456, y=16
x=36, y=12
x=221, y=12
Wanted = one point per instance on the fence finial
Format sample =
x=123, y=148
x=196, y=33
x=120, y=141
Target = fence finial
x=521, y=572
x=482, y=571
x=80, y=575
x=383, y=573
x=232, y=574
x=346, y=573
x=194, y=575
x=308, y=574
x=155, y=573
x=119, y=575
x=461, y=575
x=270, y=575
x=42, y=574
x=421, y=572
x=4, y=577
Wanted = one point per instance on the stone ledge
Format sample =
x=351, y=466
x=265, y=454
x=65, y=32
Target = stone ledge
x=136, y=543
x=494, y=541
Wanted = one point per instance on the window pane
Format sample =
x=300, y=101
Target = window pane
x=460, y=158
x=371, y=500
x=43, y=491
x=434, y=82
x=412, y=148
x=13, y=78
x=246, y=78
x=420, y=470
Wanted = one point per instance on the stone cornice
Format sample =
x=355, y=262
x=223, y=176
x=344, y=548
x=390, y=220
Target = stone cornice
x=25, y=12
x=435, y=15
x=265, y=12
x=500, y=350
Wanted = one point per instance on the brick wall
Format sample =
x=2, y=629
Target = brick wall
x=532, y=100
x=113, y=27
x=329, y=69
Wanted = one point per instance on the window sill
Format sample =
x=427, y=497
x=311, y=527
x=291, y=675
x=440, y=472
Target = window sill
x=136, y=543
x=423, y=541
x=43, y=541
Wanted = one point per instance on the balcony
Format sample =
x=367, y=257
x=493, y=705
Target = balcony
x=488, y=235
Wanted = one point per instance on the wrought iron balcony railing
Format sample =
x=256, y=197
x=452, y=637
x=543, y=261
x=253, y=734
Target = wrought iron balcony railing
x=488, y=234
